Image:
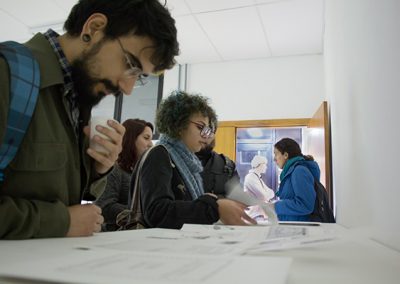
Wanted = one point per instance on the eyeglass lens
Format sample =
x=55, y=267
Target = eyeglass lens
x=133, y=71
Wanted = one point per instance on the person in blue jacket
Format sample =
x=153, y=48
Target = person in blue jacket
x=296, y=191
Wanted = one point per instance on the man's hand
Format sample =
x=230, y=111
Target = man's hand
x=232, y=212
x=113, y=146
x=84, y=220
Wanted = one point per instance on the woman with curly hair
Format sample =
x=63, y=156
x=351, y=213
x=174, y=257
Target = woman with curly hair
x=171, y=186
x=136, y=141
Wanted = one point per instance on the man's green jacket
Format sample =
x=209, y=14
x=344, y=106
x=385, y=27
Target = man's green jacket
x=51, y=170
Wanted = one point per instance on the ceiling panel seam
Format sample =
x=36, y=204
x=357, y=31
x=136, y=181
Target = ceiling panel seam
x=205, y=33
x=264, y=31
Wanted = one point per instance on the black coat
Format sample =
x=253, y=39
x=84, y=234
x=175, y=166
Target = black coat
x=115, y=197
x=218, y=169
x=165, y=201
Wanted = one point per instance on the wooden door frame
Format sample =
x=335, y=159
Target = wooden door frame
x=266, y=123
x=231, y=127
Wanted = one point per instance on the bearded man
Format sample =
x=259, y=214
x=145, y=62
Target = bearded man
x=108, y=48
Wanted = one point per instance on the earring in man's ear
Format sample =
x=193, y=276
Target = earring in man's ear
x=86, y=37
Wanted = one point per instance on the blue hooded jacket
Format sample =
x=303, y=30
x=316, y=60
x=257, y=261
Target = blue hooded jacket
x=296, y=192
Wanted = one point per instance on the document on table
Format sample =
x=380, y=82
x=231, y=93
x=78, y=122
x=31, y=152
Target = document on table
x=145, y=256
x=192, y=239
x=289, y=237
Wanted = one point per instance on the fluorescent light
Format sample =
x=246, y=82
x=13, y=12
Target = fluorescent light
x=255, y=132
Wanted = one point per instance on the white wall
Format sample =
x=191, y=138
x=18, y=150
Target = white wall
x=284, y=87
x=171, y=80
x=362, y=60
x=362, y=86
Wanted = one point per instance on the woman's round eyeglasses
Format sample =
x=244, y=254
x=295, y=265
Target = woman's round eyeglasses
x=205, y=131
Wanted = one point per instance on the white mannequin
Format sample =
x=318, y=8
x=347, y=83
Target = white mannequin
x=255, y=186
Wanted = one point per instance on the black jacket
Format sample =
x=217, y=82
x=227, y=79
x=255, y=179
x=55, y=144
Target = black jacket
x=165, y=201
x=218, y=169
x=115, y=197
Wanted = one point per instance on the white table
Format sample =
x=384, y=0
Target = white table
x=351, y=258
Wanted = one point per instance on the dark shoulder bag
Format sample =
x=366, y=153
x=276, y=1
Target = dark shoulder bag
x=322, y=211
x=133, y=218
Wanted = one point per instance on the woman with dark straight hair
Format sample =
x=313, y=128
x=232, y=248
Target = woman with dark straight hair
x=136, y=141
x=296, y=191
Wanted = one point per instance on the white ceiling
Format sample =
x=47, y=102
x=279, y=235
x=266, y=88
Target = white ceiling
x=208, y=30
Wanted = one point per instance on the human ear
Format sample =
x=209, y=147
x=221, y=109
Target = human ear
x=94, y=27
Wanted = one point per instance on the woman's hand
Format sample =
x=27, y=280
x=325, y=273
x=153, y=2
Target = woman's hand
x=232, y=213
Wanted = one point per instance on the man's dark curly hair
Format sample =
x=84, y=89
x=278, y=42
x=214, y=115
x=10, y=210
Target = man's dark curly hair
x=131, y=17
x=174, y=112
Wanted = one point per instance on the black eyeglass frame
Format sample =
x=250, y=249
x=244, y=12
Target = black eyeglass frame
x=205, y=131
x=134, y=71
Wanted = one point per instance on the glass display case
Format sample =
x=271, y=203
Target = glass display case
x=260, y=141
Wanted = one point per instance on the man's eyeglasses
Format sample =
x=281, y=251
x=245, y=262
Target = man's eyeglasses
x=205, y=131
x=134, y=71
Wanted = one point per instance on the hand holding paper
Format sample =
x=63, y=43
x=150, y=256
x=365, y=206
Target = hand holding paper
x=235, y=192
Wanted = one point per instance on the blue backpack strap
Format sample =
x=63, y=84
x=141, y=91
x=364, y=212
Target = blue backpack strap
x=24, y=90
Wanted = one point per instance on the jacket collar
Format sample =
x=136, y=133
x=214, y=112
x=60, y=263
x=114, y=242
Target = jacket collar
x=50, y=71
x=291, y=168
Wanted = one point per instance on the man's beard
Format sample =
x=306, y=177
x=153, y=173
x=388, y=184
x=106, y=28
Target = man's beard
x=84, y=83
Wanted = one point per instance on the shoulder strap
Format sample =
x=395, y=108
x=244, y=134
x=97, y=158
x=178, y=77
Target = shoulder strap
x=136, y=207
x=139, y=165
x=24, y=90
